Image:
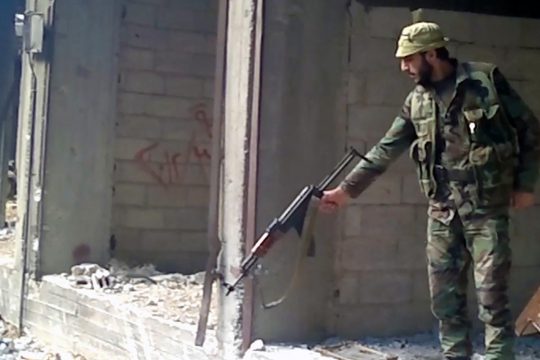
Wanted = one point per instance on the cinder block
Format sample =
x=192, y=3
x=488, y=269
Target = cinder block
x=144, y=37
x=489, y=30
x=371, y=54
x=143, y=218
x=126, y=148
x=185, y=64
x=474, y=52
x=159, y=196
x=420, y=286
x=370, y=123
x=132, y=171
x=383, y=320
x=519, y=63
x=188, y=20
x=129, y=194
x=194, y=219
x=133, y=104
x=176, y=129
x=385, y=190
x=387, y=22
x=411, y=193
x=530, y=28
x=138, y=126
x=140, y=14
x=174, y=240
x=190, y=87
x=153, y=105
x=368, y=253
x=530, y=93
x=133, y=58
x=389, y=287
x=182, y=41
x=387, y=88
x=198, y=196
x=208, y=91
x=126, y=238
x=143, y=82
x=458, y=26
x=179, y=6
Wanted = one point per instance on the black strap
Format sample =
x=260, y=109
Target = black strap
x=461, y=175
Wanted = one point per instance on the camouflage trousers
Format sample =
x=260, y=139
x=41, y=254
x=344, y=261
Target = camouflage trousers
x=451, y=251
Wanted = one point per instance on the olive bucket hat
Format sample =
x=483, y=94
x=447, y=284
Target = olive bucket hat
x=420, y=36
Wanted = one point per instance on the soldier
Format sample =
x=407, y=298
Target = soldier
x=475, y=145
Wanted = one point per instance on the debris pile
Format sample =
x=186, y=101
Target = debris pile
x=14, y=347
x=175, y=297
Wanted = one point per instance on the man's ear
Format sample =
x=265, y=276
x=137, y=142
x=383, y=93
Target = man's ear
x=431, y=56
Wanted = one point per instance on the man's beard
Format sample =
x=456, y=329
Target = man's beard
x=425, y=72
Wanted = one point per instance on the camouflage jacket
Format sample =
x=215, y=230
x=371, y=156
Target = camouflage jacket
x=501, y=143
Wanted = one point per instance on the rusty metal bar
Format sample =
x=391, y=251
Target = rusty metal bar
x=214, y=244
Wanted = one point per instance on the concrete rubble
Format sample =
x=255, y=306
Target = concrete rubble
x=175, y=297
x=25, y=347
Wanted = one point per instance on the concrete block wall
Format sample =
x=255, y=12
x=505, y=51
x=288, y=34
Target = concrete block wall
x=163, y=132
x=380, y=262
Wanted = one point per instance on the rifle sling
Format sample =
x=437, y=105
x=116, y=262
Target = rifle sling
x=304, y=244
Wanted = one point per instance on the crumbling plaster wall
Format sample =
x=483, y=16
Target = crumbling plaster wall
x=380, y=262
x=163, y=132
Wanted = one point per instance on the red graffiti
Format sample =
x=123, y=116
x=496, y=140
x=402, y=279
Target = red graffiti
x=168, y=169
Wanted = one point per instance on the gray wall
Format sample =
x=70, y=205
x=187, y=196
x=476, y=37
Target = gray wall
x=77, y=188
x=163, y=132
x=380, y=261
x=301, y=139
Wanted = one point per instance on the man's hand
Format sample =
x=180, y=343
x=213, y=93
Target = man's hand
x=522, y=200
x=333, y=199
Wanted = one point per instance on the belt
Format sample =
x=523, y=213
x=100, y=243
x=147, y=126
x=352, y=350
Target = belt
x=444, y=175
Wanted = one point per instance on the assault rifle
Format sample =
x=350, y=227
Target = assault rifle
x=292, y=217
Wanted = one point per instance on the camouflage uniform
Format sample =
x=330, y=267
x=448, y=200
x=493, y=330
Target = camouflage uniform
x=470, y=156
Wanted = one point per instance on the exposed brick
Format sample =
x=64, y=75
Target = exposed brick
x=176, y=129
x=495, y=31
x=185, y=64
x=379, y=24
x=131, y=171
x=126, y=148
x=198, y=196
x=519, y=63
x=373, y=320
x=186, y=219
x=473, y=52
x=208, y=91
x=136, y=126
x=132, y=58
x=143, y=82
x=161, y=106
x=126, y=238
x=374, y=54
x=184, y=86
x=143, y=218
x=411, y=193
x=177, y=241
x=189, y=20
x=144, y=37
x=129, y=194
x=385, y=287
x=385, y=190
x=160, y=196
x=530, y=28
x=458, y=26
x=370, y=122
x=192, y=42
x=387, y=88
x=140, y=14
